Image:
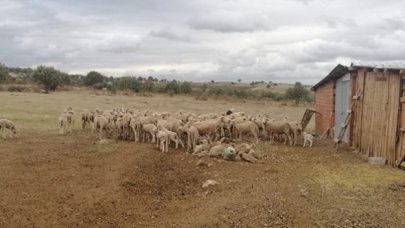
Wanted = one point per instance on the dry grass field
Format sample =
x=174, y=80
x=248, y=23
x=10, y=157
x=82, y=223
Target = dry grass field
x=48, y=180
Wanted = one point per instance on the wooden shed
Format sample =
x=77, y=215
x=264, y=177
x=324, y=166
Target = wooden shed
x=367, y=101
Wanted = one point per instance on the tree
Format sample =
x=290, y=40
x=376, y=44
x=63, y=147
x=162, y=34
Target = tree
x=204, y=87
x=92, y=78
x=4, y=75
x=49, y=77
x=129, y=83
x=239, y=80
x=172, y=87
x=149, y=85
x=65, y=79
x=297, y=93
x=185, y=87
x=212, y=81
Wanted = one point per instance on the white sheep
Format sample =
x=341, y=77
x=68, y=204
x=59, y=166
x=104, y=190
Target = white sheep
x=205, y=146
x=8, y=124
x=149, y=132
x=62, y=124
x=172, y=136
x=101, y=124
x=162, y=141
x=308, y=139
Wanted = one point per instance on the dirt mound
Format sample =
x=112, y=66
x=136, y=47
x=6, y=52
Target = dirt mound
x=165, y=177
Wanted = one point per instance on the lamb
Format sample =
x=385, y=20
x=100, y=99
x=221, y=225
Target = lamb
x=8, y=124
x=149, y=130
x=308, y=139
x=62, y=124
x=162, y=141
x=172, y=136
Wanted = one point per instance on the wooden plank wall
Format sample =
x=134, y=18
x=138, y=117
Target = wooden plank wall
x=401, y=145
x=375, y=119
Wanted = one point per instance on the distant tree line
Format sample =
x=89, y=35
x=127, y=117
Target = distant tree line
x=51, y=79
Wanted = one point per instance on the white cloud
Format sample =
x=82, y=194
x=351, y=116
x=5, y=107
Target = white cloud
x=296, y=40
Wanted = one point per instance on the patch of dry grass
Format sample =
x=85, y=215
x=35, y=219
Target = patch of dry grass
x=33, y=112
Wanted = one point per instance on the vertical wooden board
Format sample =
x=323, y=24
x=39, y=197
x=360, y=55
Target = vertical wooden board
x=368, y=97
x=401, y=149
x=356, y=112
x=360, y=117
x=392, y=124
x=371, y=85
x=366, y=118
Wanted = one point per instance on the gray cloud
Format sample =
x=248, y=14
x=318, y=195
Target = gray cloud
x=169, y=34
x=227, y=21
x=286, y=41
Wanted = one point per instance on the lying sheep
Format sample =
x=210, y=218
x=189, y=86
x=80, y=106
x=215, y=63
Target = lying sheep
x=7, y=124
x=205, y=146
x=308, y=139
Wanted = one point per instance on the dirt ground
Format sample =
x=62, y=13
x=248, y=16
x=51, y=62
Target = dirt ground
x=48, y=180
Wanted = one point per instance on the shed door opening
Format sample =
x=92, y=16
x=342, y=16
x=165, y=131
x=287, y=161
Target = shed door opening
x=342, y=94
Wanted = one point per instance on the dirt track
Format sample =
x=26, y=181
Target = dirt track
x=53, y=181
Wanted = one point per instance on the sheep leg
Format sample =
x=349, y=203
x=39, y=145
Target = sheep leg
x=290, y=139
x=310, y=143
x=188, y=143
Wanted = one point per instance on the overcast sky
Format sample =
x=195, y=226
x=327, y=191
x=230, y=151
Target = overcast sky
x=202, y=40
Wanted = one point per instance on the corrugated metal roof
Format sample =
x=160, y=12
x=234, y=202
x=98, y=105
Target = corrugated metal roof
x=392, y=65
x=341, y=70
x=335, y=74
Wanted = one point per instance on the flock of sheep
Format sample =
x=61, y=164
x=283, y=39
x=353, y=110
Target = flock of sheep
x=203, y=135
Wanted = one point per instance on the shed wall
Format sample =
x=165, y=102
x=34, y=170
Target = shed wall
x=375, y=120
x=324, y=98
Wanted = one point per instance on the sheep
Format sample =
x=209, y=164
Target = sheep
x=192, y=136
x=308, y=138
x=8, y=124
x=70, y=120
x=162, y=141
x=86, y=118
x=295, y=130
x=218, y=150
x=171, y=124
x=247, y=127
x=62, y=124
x=149, y=130
x=205, y=146
x=102, y=125
x=209, y=127
x=278, y=127
x=172, y=136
